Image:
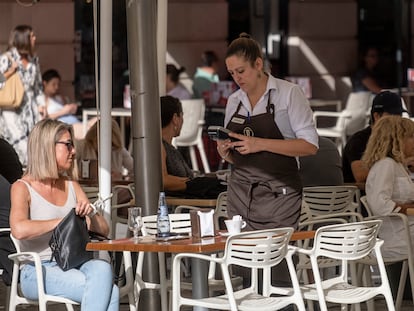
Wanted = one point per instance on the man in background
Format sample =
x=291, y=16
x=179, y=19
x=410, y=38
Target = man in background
x=354, y=170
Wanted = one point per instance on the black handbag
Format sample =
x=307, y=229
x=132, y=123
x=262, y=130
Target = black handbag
x=68, y=242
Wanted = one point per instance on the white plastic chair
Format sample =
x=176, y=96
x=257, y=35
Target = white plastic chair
x=16, y=298
x=348, y=121
x=324, y=205
x=256, y=250
x=407, y=260
x=221, y=209
x=347, y=243
x=192, y=131
x=115, y=219
x=330, y=201
x=6, y=307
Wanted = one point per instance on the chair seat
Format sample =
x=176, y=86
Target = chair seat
x=337, y=291
x=329, y=132
x=247, y=300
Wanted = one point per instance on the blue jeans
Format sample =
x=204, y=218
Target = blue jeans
x=91, y=285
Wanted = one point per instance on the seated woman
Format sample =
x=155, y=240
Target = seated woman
x=39, y=201
x=173, y=85
x=389, y=187
x=175, y=170
x=52, y=105
x=121, y=159
x=176, y=173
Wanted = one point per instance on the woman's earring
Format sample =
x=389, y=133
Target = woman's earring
x=175, y=128
x=259, y=75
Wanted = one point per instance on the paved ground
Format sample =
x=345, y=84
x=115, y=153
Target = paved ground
x=379, y=304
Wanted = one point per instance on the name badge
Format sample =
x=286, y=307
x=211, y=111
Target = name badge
x=237, y=120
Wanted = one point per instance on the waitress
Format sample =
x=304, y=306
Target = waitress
x=272, y=124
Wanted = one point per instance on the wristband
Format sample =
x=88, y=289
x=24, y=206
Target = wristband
x=94, y=211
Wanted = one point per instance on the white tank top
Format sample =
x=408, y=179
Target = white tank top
x=41, y=209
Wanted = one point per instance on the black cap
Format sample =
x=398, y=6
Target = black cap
x=389, y=102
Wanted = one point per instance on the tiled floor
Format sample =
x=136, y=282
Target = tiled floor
x=379, y=304
x=121, y=231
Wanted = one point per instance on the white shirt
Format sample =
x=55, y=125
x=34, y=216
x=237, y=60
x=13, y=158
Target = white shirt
x=293, y=114
x=389, y=182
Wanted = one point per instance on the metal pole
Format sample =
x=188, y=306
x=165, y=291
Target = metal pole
x=105, y=99
x=146, y=124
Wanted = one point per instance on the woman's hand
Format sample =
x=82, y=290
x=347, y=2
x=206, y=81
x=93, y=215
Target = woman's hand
x=244, y=144
x=83, y=208
x=223, y=148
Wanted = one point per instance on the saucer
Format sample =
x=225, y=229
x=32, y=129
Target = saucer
x=224, y=233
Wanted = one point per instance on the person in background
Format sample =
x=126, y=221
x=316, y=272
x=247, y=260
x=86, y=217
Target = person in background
x=389, y=187
x=354, y=170
x=174, y=87
x=39, y=201
x=6, y=244
x=175, y=170
x=324, y=168
x=271, y=123
x=16, y=124
x=366, y=78
x=121, y=159
x=53, y=106
x=206, y=75
x=10, y=166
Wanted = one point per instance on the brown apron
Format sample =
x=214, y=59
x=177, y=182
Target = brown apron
x=265, y=188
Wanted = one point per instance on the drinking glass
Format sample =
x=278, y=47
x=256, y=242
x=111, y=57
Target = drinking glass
x=135, y=221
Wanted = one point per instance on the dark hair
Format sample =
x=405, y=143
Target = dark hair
x=208, y=58
x=169, y=106
x=50, y=74
x=20, y=39
x=245, y=46
x=174, y=73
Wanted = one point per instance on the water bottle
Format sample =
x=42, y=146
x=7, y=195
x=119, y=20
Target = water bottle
x=163, y=220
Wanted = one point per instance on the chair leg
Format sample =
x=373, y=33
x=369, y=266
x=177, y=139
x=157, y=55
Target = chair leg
x=401, y=286
x=206, y=166
x=193, y=157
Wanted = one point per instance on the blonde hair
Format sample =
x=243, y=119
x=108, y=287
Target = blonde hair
x=41, y=150
x=91, y=137
x=388, y=139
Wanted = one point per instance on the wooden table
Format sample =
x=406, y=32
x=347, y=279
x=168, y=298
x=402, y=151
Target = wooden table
x=190, y=245
x=192, y=202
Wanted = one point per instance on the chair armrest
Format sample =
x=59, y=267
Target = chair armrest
x=404, y=219
x=5, y=230
x=333, y=114
x=180, y=208
x=25, y=256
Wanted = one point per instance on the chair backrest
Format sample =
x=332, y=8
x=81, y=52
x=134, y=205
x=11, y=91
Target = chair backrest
x=364, y=202
x=220, y=212
x=91, y=192
x=179, y=223
x=258, y=249
x=347, y=241
x=325, y=200
x=193, y=114
x=357, y=106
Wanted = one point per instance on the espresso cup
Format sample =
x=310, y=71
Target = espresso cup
x=234, y=226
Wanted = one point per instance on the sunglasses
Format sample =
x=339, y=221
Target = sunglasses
x=69, y=144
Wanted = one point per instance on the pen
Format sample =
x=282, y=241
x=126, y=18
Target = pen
x=248, y=116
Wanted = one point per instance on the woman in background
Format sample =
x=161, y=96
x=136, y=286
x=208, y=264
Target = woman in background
x=389, y=187
x=52, y=105
x=16, y=124
x=174, y=87
x=206, y=75
x=175, y=170
x=121, y=159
